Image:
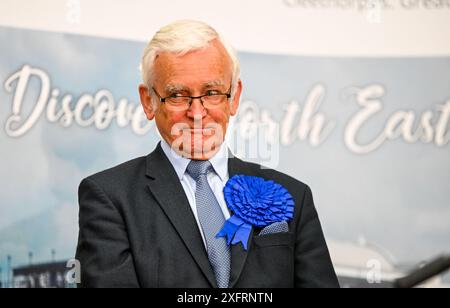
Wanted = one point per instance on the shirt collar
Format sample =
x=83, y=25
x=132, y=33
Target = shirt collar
x=219, y=161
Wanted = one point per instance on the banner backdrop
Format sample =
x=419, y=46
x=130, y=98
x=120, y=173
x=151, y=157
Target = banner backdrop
x=369, y=135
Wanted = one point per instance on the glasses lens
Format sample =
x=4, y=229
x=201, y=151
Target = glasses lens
x=178, y=103
x=211, y=101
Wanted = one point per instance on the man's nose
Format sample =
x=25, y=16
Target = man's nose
x=197, y=109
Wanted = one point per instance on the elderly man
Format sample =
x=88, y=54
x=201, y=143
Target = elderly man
x=181, y=217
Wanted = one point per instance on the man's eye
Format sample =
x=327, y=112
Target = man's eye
x=212, y=92
x=174, y=95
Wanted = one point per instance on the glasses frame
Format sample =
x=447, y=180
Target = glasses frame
x=192, y=98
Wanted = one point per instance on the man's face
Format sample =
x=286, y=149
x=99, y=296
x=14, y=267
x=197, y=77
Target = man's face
x=197, y=132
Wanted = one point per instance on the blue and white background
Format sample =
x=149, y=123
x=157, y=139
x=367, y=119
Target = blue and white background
x=357, y=107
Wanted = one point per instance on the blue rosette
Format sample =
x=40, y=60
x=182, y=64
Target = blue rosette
x=254, y=202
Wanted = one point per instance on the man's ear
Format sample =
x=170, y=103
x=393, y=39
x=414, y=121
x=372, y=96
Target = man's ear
x=146, y=101
x=236, y=98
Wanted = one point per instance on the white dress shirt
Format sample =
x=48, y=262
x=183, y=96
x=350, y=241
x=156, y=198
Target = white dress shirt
x=216, y=179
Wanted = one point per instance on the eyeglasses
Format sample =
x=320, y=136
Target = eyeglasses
x=212, y=99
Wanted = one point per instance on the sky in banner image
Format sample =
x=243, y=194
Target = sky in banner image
x=46, y=162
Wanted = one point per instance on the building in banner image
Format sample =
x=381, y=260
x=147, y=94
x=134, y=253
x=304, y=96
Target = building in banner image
x=362, y=265
x=46, y=275
x=358, y=265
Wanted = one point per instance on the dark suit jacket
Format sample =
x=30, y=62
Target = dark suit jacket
x=137, y=230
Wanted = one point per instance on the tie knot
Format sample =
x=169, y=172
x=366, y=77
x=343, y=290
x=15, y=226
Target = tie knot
x=198, y=167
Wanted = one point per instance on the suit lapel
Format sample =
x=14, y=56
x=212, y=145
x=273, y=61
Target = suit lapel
x=238, y=254
x=168, y=191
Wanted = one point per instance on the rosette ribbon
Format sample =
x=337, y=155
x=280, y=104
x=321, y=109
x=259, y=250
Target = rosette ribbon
x=254, y=202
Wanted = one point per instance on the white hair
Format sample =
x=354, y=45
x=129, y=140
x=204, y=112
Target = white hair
x=181, y=37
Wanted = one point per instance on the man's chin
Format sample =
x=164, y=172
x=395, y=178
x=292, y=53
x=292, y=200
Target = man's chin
x=202, y=150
